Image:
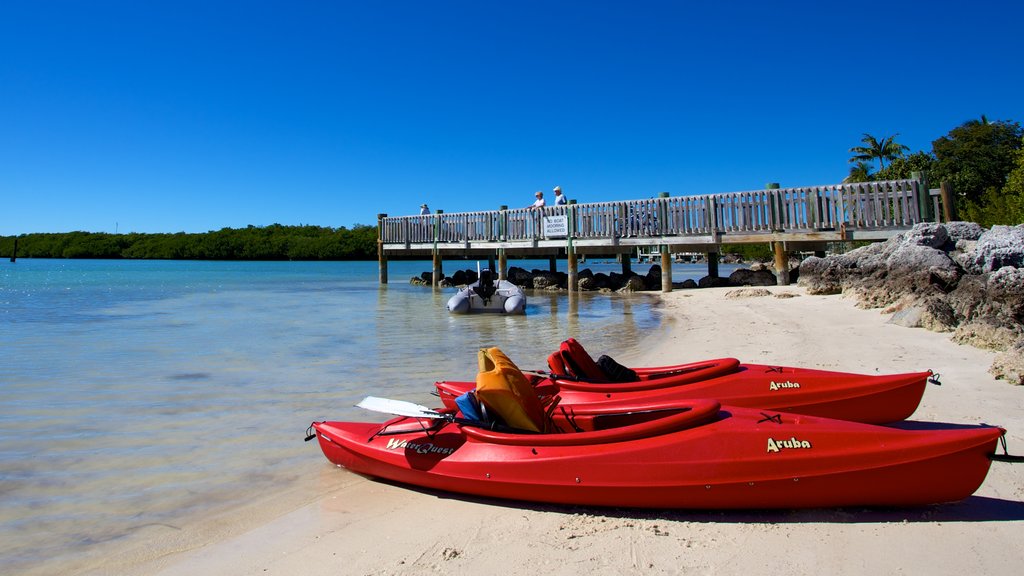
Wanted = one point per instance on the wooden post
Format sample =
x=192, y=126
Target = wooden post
x=666, y=256
x=666, y=269
x=948, y=201
x=773, y=208
x=572, y=282
x=713, y=264
x=626, y=259
x=437, y=274
x=924, y=204
x=781, y=264
x=552, y=264
x=502, y=237
x=382, y=257
x=490, y=262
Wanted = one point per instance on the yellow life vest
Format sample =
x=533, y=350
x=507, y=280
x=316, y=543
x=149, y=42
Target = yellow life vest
x=505, y=391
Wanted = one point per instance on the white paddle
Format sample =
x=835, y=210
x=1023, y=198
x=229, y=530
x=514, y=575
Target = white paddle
x=398, y=408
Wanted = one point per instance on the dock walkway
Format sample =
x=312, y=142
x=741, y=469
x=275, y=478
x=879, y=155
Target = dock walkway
x=803, y=218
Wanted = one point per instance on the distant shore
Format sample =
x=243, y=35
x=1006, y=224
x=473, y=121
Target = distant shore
x=360, y=526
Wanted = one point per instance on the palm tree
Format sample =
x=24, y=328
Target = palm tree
x=859, y=172
x=882, y=150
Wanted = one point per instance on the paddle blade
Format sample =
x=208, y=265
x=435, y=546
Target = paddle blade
x=398, y=407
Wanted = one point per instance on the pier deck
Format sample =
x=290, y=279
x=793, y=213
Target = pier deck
x=804, y=218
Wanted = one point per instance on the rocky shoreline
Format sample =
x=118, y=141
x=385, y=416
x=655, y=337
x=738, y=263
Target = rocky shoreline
x=955, y=277
x=757, y=275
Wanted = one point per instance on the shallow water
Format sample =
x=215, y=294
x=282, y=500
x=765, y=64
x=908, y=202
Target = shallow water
x=141, y=393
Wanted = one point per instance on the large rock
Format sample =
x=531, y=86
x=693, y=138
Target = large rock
x=745, y=277
x=1001, y=246
x=634, y=284
x=1009, y=365
x=942, y=277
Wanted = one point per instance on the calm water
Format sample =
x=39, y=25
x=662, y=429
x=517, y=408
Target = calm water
x=136, y=394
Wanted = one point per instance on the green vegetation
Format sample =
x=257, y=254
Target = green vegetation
x=274, y=242
x=874, y=149
x=983, y=161
x=750, y=252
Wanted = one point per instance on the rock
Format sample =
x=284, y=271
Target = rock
x=687, y=284
x=1009, y=365
x=784, y=295
x=748, y=293
x=927, y=234
x=933, y=314
x=963, y=231
x=713, y=282
x=986, y=336
x=998, y=247
x=545, y=280
x=633, y=284
x=653, y=278
x=520, y=277
x=745, y=277
x=587, y=283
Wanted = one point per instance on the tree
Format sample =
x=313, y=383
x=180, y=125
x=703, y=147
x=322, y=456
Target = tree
x=904, y=167
x=860, y=172
x=881, y=150
x=1004, y=207
x=977, y=156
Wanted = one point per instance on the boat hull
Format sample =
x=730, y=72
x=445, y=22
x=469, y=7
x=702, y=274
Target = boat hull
x=507, y=299
x=840, y=395
x=739, y=459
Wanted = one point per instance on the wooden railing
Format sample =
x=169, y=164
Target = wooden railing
x=894, y=204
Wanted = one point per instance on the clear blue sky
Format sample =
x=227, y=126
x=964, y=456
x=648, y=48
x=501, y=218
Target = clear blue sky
x=190, y=116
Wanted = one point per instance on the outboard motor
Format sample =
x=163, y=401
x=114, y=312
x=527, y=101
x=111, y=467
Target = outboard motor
x=485, y=286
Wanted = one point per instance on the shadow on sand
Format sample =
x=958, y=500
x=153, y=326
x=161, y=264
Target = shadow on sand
x=972, y=509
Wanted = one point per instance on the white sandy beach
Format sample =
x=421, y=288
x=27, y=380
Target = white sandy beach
x=360, y=526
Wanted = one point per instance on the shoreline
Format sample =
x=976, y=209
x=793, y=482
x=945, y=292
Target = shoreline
x=357, y=525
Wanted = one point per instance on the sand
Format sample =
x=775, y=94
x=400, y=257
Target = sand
x=360, y=526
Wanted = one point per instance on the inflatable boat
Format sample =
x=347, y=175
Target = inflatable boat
x=488, y=295
x=695, y=454
x=876, y=399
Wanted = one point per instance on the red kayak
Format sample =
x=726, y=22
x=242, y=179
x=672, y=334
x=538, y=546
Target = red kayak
x=697, y=454
x=841, y=395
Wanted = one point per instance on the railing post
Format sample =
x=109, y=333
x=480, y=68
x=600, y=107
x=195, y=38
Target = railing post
x=666, y=257
x=437, y=273
x=924, y=205
x=948, y=201
x=572, y=282
x=382, y=257
x=781, y=261
x=502, y=237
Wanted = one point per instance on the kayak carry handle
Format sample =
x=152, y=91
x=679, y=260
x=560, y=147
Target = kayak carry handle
x=310, y=434
x=934, y=378
x=1005, y=456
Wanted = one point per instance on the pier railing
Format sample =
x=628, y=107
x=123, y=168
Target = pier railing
x=812, y=212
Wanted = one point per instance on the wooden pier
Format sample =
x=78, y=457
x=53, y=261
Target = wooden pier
x=805, y=218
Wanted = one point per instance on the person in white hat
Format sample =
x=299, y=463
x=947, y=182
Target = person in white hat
x=559, y=198
x=539, y=202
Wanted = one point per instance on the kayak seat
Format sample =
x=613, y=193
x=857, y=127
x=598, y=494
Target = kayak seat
x=691, y=414
x=579, y=363
x=506, y=393
x=557, y=365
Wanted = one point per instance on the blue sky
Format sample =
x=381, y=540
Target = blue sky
x=198, y=115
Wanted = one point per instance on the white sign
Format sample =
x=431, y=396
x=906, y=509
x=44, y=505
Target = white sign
x=556, y=226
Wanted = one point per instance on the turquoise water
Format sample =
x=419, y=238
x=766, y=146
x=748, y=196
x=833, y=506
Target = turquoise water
x=142, y=393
